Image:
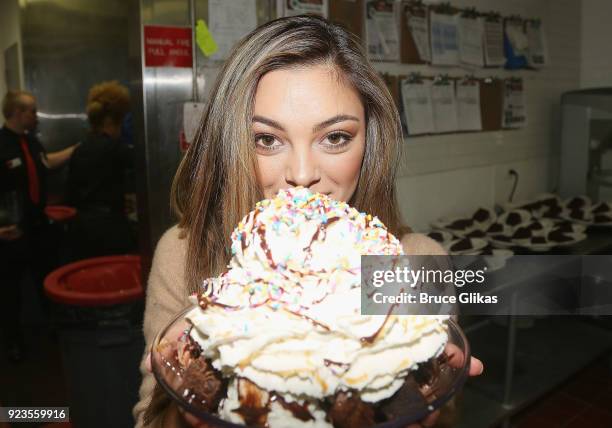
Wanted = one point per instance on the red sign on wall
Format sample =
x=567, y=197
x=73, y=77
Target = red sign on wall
x=167, y=46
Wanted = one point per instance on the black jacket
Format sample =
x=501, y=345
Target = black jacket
x=14, y=176
x=97, y=174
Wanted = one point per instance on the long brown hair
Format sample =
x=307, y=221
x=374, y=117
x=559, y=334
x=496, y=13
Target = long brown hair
x=216, y=183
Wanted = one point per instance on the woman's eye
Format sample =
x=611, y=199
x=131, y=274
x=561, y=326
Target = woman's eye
x=337, y=140
x=266, y=142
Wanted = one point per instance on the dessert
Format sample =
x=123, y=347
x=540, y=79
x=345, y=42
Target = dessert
x=279, y=341
x=476, y=234
x=553, y=212
x=522, y=233
x=577, y=202
x=514, y=219
x=461, y=224
x=601, y=208
x=481, y=215
x=580, y=214
x=558, y=236
x=464, y=244
x=495, y=228
x=602, y=218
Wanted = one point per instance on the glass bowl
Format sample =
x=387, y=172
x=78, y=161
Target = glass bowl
x=409, y=405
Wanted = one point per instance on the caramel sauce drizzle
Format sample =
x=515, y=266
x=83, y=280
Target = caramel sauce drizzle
x=370, y=339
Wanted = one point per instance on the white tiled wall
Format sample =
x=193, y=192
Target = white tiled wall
x=454, y=174
x=596, y=64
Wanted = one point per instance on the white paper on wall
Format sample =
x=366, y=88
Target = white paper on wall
x=229, y=21
x=302, y=7
x=468, y=106
x=444, y=105
x=418, y=110
x=537, y=44
x=471, y=41
x=517, y=37
x=494, y=44
x=419, y=28
x=514, y=112
x=444, y=37
x=382, y=36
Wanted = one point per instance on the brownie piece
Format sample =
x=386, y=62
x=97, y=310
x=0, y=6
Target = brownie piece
x=476, y=234
x=558, y=236
x=513, y=219
x=522, y=233
x=535, y=226
x=462, y=245
x=406, y=398
x=502, y=238
x=460, y=224
x=602, y=218
x=481, y=215
x=495, y=228
x=601, y=208
x=576, y=203
x=205, y=383
x=349, y=411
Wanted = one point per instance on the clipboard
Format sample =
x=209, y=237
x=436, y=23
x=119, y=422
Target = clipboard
x=409, y=53
x=349, y=14
x=491, y=103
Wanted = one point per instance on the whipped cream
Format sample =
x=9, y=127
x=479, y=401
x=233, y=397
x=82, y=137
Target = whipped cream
x=286, y=314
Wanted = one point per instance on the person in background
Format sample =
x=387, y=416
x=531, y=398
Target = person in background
x=23, y=167
x=96, y=185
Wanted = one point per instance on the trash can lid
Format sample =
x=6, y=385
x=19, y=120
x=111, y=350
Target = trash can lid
x=60, y=213
x=99, y=281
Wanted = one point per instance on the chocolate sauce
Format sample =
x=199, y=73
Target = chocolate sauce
x=300, y=411
x=261, y=231
x=307, y=318
x=370, y=339
x=204, y=302
x=243, y=243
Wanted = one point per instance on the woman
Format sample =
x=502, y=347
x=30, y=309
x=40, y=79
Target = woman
x=297, y=104
x=96, y=177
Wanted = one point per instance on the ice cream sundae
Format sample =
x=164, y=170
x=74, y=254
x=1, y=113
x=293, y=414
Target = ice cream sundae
x=278, y=340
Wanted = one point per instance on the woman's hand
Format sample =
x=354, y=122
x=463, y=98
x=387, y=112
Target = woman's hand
x=455, y=359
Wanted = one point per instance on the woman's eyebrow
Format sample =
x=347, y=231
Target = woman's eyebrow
x=331, y=121
x=269, y=122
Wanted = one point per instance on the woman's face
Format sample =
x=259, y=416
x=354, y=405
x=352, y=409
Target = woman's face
x=309, y=130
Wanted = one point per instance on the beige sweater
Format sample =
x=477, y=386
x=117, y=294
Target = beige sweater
x=167, y=295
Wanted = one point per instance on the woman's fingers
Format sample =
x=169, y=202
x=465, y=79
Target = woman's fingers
x=476, y=367
x=456, y=359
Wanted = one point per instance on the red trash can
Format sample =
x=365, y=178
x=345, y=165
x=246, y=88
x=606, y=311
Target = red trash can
x=99, y=305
